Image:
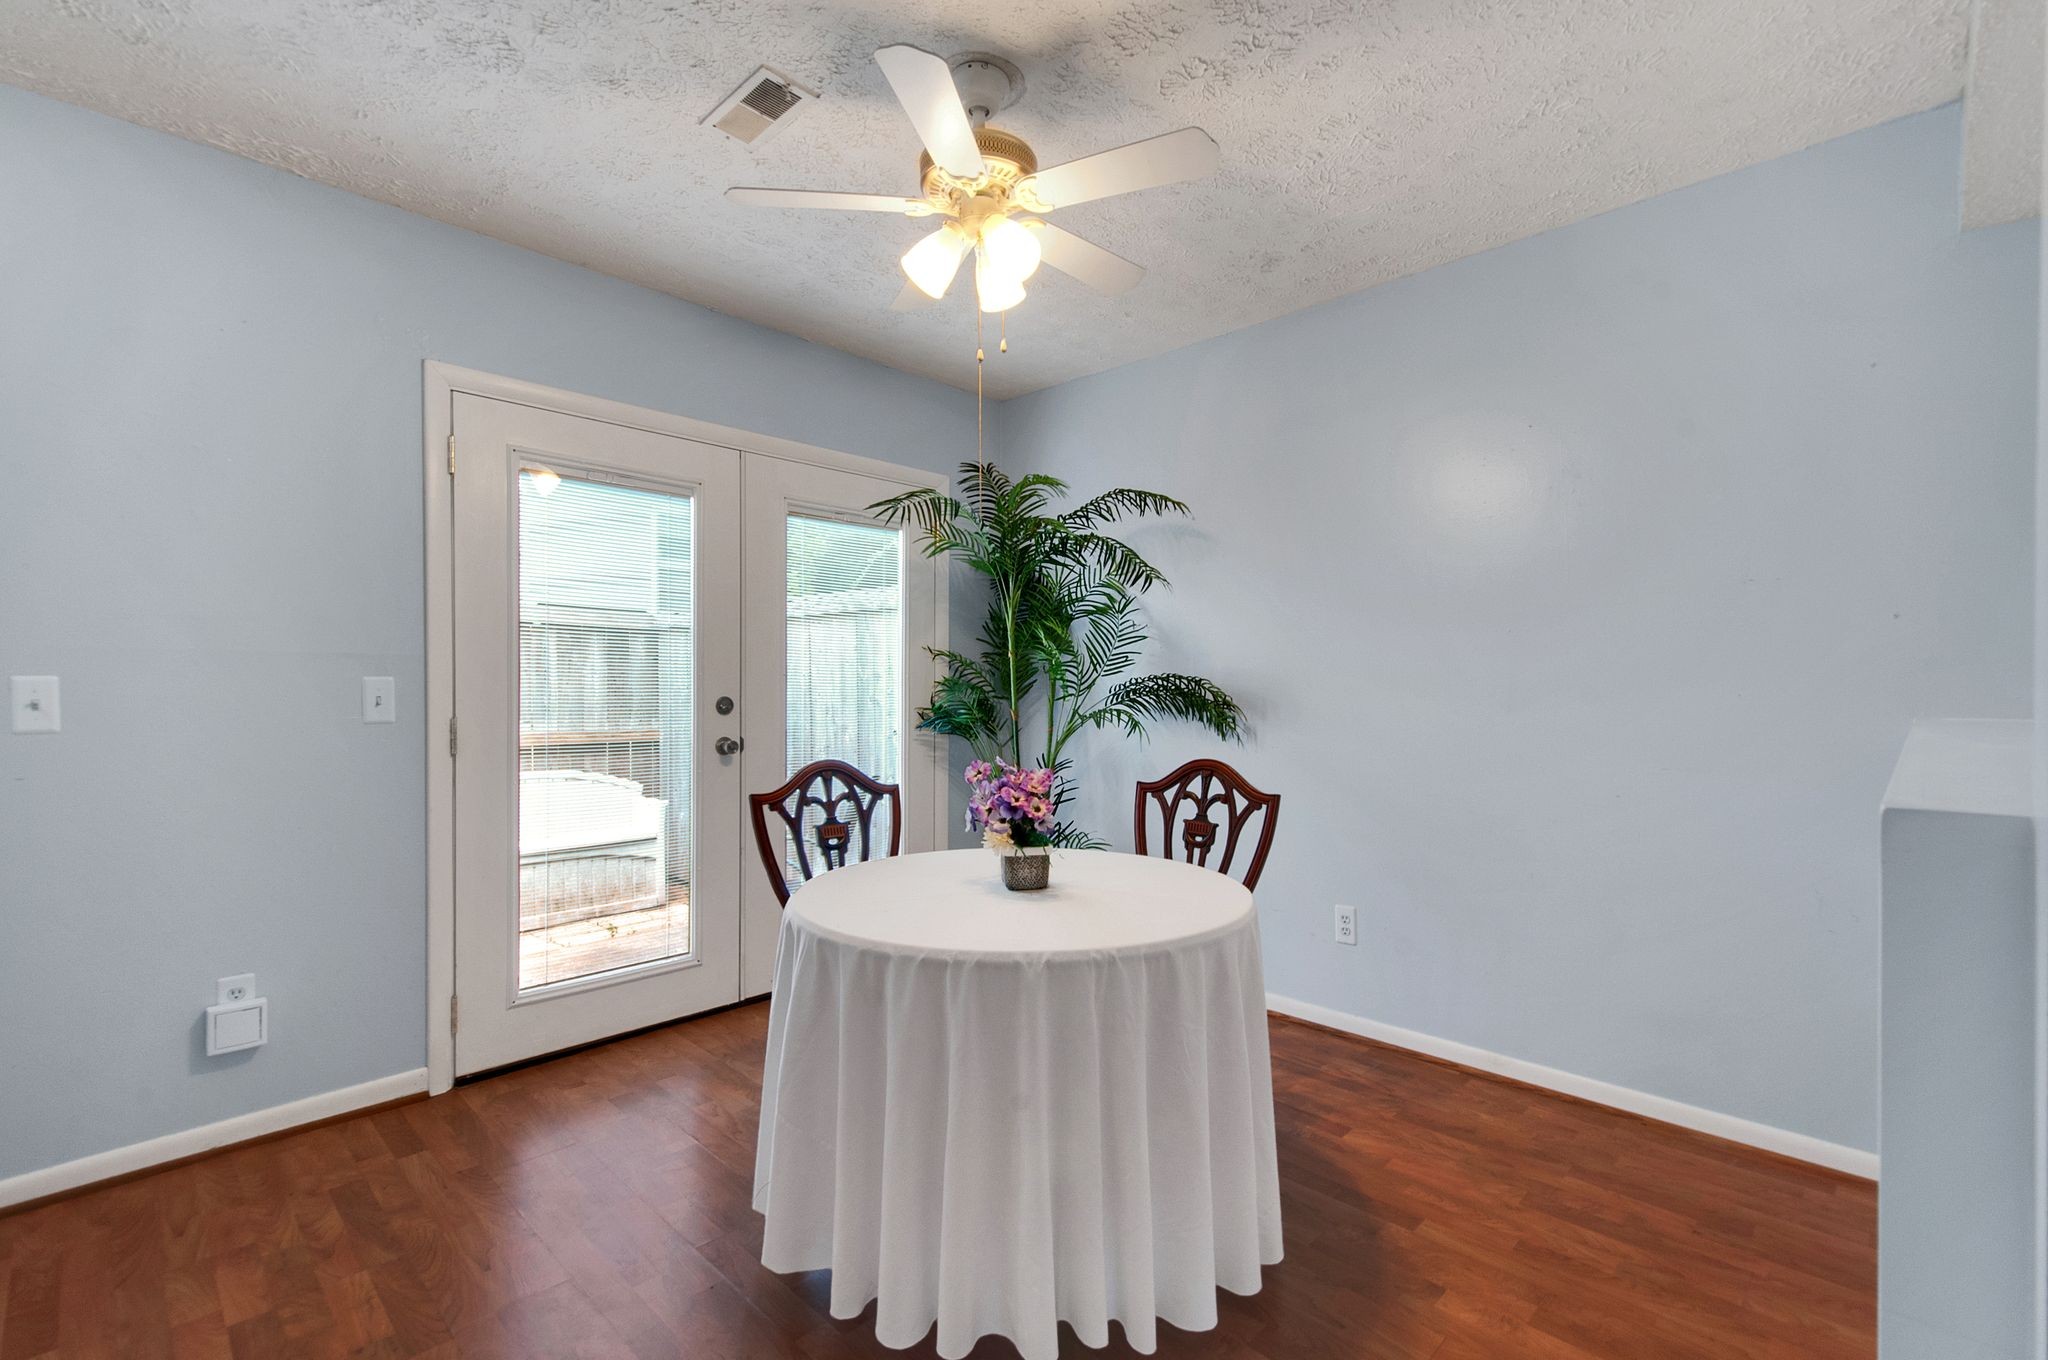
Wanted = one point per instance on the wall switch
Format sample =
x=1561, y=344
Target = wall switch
x=1347, y=924
x=35, y=703
x=380, y=699
x=237, y=1025
x=240, y=987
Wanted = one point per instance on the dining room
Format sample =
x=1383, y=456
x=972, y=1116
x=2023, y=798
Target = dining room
x=1257, y=680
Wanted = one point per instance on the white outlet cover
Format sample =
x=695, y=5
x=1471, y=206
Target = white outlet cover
x=232, y=1028
x=234, y=990
x=1347, y=924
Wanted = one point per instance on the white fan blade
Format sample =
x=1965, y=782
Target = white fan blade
x=1168, y=159
x=821, y=198
x=1100, y=269
x=924, y=86
x=911, y=299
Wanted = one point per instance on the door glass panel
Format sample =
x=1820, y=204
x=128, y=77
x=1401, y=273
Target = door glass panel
x=606, y=697
x=845, y=650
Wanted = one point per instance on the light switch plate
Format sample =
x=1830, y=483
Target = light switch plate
x=380, y=699
x=35, y=703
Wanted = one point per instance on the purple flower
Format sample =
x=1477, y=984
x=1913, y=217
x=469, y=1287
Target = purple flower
x=1009, y=798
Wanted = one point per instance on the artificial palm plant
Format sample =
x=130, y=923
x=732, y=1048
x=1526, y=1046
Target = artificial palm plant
x=1062, y=632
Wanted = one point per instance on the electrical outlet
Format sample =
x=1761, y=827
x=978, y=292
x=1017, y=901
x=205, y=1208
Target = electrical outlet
x=1347, y=924
x=231, y=990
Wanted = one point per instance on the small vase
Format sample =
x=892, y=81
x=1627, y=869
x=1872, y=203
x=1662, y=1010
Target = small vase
x=1027, y=870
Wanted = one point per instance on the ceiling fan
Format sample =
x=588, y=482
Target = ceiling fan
x=986, y=184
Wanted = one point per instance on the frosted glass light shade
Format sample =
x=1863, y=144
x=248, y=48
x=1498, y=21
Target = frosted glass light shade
x=1010, y=249
x=998, y=292
x=932, y=262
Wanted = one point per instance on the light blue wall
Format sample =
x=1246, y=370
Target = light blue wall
x=210, y=528
x=1582, y=592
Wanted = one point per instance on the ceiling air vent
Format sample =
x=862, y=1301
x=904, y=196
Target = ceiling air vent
x=764, y=101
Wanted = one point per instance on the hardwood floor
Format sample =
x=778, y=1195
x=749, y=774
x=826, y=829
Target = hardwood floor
x=598, y=1206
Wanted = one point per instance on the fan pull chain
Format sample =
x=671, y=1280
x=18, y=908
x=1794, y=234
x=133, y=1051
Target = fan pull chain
x=979, y=457
x=1004, y=322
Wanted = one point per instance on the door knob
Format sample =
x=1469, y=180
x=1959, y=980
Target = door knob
x=728, y=746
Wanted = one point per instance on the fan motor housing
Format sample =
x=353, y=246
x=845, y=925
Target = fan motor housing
x=1009, y=158
x=986, y=83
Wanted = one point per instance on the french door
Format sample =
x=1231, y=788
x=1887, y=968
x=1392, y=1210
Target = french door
x=647, y=628
x=842, y=614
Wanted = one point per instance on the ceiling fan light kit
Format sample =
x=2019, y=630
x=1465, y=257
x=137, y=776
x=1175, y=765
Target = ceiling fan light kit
x=998, y=292
x=933, y=261
x=987, y=185
x=1009, y=248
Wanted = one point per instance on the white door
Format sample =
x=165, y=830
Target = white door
x=597, y=826
x=647, y=628
x=841, y=615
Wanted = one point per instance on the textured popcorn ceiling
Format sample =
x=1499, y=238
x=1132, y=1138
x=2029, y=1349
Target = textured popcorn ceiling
x=1361, y=141
x=2002, y=117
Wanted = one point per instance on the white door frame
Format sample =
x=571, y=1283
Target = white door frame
x=442, y=382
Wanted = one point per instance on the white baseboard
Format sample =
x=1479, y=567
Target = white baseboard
x=1854, y=1161
x=121, y=1161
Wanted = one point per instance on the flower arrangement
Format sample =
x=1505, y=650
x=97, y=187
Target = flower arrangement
x=1012, y=807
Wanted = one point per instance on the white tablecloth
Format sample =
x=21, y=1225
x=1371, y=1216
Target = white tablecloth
x=998, y=1111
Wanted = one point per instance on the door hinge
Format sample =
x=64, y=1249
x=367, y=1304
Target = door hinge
x=454, y=1013
x=451, y=453
x=451, y=736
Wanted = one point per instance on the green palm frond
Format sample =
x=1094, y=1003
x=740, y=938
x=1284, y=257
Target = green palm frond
x=1031, y=494
x=1111, y=644
x=1062, y=621
x=1117, y=560
x=965, y=666
x=1131, y=704
x=1067, y=836
x=932, y=513
x=962, y=706
x=1119, y=502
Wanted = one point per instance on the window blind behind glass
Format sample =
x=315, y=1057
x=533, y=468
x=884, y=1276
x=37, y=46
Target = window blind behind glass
x=845, y=649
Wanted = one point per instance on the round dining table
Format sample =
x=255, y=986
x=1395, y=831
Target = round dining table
x=994, y=1112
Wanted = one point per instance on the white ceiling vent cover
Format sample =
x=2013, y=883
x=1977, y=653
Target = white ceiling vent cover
x=764, y=102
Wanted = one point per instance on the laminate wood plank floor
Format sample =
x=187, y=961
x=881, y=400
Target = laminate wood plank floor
x=598, y=1206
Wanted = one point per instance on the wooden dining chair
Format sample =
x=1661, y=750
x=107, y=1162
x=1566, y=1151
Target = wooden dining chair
x=1204, y=798
x=829, y=805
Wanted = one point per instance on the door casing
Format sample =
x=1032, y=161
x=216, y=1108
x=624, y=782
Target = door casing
x=441, y=382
